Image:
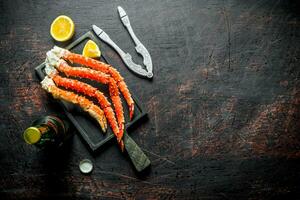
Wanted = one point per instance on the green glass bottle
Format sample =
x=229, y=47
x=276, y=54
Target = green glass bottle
x=48, y=131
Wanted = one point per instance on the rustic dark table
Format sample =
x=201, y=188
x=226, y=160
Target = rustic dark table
x=223, y=105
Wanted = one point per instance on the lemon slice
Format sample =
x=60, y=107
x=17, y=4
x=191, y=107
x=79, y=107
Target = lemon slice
x=91, y=50
x=62, y=28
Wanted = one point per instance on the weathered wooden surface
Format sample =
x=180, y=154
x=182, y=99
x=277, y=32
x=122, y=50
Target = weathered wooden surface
x=223, y=104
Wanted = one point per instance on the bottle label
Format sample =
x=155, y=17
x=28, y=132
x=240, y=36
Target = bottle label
x=43, y=129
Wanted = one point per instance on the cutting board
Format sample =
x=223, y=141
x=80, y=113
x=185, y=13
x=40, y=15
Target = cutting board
x=88, y=128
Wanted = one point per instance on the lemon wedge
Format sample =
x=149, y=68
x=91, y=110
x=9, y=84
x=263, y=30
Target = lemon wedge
x=62, y=28
x=91, y=50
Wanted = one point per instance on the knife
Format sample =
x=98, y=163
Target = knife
x=140, y=48
x=126, y=57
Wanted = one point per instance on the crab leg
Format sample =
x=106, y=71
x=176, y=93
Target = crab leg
x=89, y=90
x=99, y=66
x=71, y=97
x=82, y=72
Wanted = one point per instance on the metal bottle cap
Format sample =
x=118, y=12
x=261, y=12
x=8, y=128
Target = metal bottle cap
x=86, y=166
x=32, y=135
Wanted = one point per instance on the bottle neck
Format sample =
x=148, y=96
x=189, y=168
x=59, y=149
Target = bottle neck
x=47, y=131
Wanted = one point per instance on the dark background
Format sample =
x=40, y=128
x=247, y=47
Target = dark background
x=223, y=105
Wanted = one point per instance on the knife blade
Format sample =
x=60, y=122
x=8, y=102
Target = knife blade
x=140, y=48
x=126, y=57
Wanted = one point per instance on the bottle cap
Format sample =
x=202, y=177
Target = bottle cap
x=32, y=135
x=86, y=166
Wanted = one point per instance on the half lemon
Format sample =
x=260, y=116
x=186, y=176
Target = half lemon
x=62, y=28
x=91, y=50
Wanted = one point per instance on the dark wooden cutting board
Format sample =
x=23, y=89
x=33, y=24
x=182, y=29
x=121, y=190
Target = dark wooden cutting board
x=88, y=128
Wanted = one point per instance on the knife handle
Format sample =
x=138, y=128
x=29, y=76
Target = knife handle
x=135, y=153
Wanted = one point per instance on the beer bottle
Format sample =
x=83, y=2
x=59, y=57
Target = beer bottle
x=48, y=131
